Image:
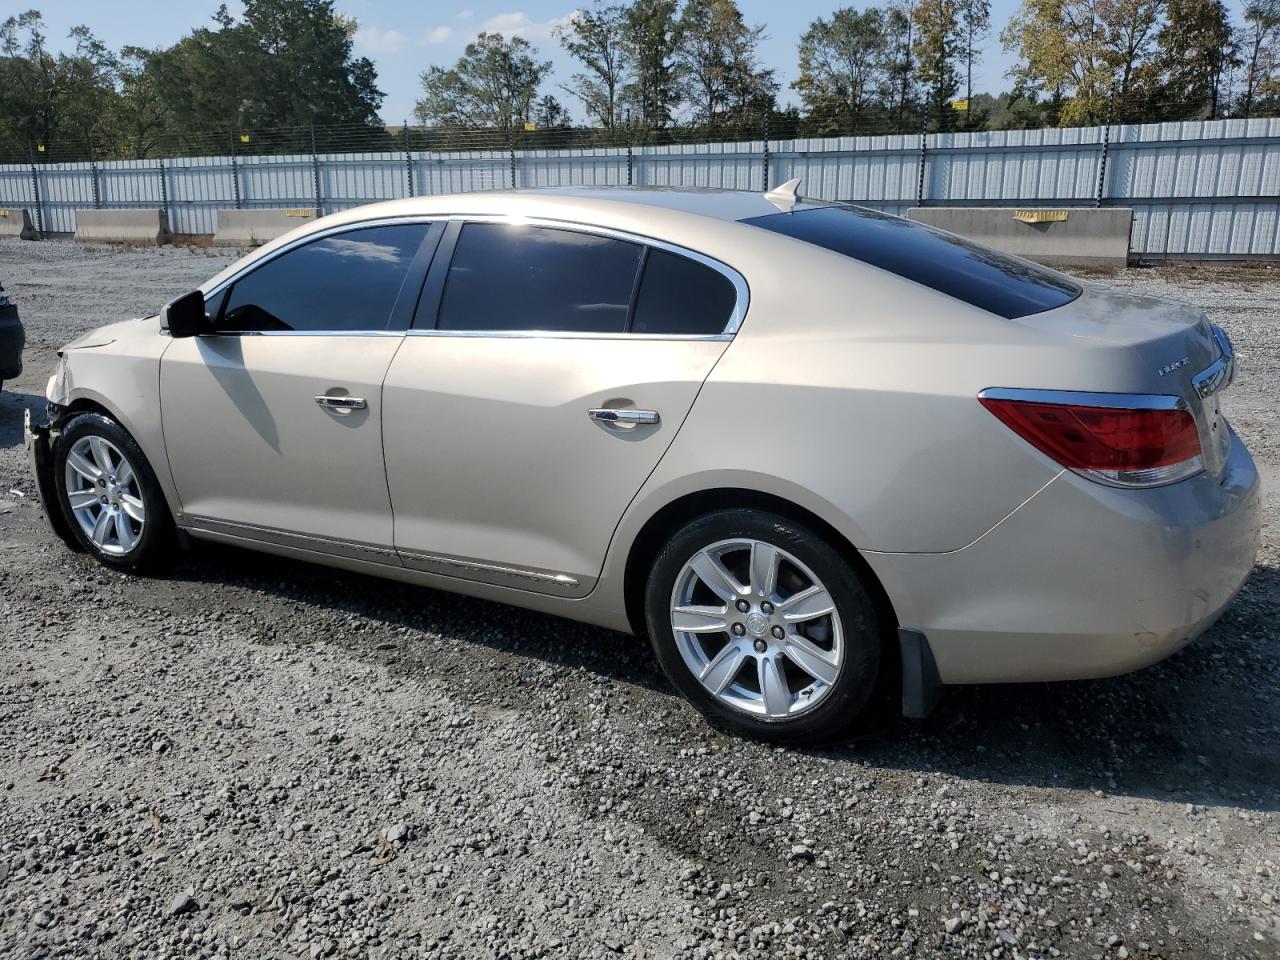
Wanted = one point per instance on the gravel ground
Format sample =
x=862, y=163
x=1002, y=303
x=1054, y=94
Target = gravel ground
x=256, y=758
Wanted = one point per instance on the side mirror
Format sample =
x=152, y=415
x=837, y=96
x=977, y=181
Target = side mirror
x=185, y=316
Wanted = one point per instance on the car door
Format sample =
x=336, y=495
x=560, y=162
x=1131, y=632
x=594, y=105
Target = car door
x=273, y=422
x=547, y=372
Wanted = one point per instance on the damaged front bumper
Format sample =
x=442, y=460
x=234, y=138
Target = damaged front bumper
x=37, y=439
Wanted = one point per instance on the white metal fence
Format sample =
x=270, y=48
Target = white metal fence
x=1201, y=189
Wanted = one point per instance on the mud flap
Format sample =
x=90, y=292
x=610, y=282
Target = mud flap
x=921, y=687
x=39, y=458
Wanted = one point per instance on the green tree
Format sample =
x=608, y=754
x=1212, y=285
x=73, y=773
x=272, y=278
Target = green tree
x=975, y=19
x=845, y=69
x=1261, y=49
x=282, y=64
x=1092, y=59
x=650, y=42
x=899, y=27
x=142, y=117
x=936, y=49
x=494, y=84
x=1197, y=47
x=302, y=68
x=596, y=39
x=61, y=100
x=717, y=60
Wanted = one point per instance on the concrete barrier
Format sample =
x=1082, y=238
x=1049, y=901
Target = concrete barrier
x=255, y=227
x=17, y=223
x=123, y=226
x=1066, y=237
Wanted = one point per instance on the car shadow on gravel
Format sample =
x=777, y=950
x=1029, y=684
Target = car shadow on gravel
x=11, y=407
x=1202, y=727
x=1199, y=728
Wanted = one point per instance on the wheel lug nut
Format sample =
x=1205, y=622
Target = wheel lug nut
x=761, y=646
x=739, y=629
x=742, y=606
x=766, y=607
x=103, y=499
x=779, y=632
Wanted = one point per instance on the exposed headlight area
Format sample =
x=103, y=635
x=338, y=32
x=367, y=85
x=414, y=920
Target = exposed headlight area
x=1119, y=439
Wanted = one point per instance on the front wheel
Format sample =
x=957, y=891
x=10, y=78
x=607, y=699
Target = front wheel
x=110, y=495
x=764, y=626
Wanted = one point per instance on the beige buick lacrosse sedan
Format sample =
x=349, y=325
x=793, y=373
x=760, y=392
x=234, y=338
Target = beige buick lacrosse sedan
x=816, y=453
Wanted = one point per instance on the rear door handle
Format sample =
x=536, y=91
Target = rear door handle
x=343, y=404
x=623, y=419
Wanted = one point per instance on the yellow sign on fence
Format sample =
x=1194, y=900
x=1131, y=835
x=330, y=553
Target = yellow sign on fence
x=959, y=104
x=1040, y=216
x=244, y=138
x=299, y=212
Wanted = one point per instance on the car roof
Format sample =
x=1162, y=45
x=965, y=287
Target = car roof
x=716, y=202
x=677, y=214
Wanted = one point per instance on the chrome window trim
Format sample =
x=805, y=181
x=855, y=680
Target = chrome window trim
x=570, y=335
x=304, y=333
x=1085, y=398
x=742, y=292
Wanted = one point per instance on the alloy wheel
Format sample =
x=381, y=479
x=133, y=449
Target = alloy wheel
x=104, y=495
x=757, y=628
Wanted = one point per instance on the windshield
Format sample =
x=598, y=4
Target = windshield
x=959, y=268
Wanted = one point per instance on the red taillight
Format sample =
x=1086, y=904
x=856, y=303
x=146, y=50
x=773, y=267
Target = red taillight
x=1134, y=446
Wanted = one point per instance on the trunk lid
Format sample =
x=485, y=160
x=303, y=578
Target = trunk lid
x=1178, y=353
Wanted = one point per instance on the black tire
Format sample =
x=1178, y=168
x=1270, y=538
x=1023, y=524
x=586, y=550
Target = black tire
x=847, y=700
x=155, y=544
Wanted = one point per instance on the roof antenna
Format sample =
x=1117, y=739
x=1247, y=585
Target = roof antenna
x=786, y=196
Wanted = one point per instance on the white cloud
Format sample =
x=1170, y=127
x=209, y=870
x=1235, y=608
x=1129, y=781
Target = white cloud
x=520, y=24
x=465, y=15
x=437, y=35
x=380, y=42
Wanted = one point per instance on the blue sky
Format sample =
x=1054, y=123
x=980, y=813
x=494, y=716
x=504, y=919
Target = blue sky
x=404, y=37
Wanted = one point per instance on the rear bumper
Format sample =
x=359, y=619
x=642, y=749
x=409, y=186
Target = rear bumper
x=12, y=339
x=1084, y=580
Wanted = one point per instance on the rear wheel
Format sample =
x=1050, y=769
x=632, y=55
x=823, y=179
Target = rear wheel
x=110, y=495
x=764, y=627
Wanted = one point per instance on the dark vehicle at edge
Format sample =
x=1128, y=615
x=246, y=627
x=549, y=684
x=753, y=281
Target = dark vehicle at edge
x=12, y=339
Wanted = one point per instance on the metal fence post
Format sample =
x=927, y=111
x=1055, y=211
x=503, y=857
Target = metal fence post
x=315, y=173
x=235, y=172
x=924, y=136
x=35, y=196
x=630, y=154
x=1102, y=159
x=93, y=173
x=408, y=162
x=765, y=189
x=164, y=195
x=511, y=146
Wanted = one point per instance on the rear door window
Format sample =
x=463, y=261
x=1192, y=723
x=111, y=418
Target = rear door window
x=506, y=277
x=977, y=275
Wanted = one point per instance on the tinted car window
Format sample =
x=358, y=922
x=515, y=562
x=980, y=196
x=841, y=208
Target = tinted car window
x=681, y=296
x=506, y=277
x=345, y=282
x=985, y=278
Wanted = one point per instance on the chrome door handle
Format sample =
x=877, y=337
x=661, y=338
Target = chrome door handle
x=343, y=404
x=623, y=419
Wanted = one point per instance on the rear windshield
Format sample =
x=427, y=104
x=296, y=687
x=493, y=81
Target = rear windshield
x=959, y=268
